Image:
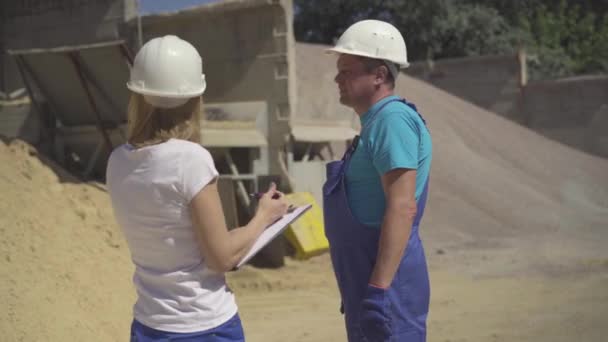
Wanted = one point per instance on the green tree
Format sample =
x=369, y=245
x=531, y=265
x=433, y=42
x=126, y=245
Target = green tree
x=470, y=30
x=432, y=28
x=563, y=38
x=322, y=21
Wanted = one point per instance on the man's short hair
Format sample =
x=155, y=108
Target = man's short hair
x=372, y=63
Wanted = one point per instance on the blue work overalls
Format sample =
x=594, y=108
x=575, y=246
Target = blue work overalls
x=353, y=249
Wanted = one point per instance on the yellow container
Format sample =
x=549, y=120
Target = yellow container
x=307, y=234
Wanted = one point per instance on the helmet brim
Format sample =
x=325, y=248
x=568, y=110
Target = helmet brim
x=340, y=51
x=134, y=88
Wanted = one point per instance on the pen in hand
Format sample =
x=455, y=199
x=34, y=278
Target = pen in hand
x=276, y=195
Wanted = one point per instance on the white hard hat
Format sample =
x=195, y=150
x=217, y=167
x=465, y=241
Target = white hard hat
x=374, y=39
x=167, y=71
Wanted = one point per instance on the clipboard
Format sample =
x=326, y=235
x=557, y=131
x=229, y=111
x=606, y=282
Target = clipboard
x=272, y=232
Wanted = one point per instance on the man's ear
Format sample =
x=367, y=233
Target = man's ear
x=381, y=74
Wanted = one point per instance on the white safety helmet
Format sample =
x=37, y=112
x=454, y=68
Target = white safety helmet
x=167, y=71
x=374, y=39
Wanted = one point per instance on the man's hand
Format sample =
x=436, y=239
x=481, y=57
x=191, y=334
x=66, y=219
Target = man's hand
x=374, y=320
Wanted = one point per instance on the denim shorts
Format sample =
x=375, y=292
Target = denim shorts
x=231, y=331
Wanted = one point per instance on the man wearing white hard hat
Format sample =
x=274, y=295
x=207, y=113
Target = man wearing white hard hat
x=163, y=188
x=374, y=197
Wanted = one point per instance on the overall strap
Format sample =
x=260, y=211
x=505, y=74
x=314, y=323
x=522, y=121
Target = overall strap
x=413, y=106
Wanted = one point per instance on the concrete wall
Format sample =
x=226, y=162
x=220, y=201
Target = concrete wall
x=566, y=110
x=309, y=176
x=19, y=120
x=50, y=23
x=572, y=111
x=248, y=53
x=491, y=82
x=10, y=80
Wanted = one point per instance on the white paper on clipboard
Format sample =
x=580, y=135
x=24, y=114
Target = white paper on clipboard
x=272, y=232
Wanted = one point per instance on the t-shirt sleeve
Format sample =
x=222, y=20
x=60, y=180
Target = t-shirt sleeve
x=198, y=170
x=394, y=141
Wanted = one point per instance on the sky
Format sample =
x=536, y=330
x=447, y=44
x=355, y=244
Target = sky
x=156, y=6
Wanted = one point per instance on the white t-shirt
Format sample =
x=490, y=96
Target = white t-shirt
x=151, y=189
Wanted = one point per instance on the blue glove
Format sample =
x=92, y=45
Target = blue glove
x=374, y=320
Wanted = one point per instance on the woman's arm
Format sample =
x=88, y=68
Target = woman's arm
x=221, y=248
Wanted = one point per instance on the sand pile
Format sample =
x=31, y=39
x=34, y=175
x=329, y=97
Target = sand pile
x=497, y=184
x=64, y=266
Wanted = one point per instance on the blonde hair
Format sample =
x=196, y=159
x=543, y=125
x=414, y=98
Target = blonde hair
x=149, y=125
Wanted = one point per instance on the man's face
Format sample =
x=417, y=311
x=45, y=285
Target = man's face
x=355, y=83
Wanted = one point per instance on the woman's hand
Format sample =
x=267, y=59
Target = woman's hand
x=269, y=208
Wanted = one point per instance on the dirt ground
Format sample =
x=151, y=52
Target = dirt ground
x=561, y=307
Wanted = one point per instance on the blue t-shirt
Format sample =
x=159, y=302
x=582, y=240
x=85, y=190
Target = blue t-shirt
x=395, y=138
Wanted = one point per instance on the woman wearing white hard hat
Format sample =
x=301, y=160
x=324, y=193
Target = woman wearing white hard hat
x=163, y=188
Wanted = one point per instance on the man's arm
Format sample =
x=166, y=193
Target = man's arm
x=400, y=193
